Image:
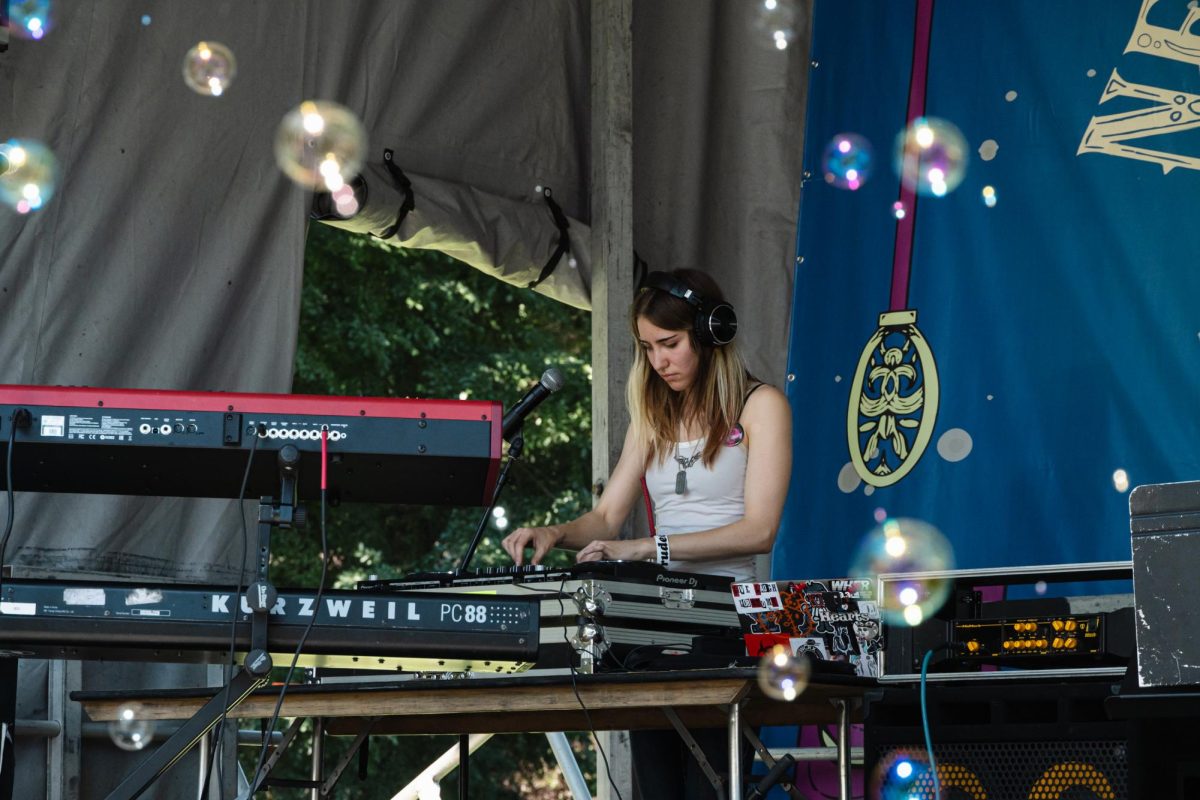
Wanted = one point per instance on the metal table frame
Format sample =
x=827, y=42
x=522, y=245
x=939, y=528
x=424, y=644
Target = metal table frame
x=722, y=698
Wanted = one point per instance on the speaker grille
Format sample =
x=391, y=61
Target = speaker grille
x=1064, y=770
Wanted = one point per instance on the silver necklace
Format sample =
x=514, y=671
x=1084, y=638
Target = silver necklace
x=681, y=486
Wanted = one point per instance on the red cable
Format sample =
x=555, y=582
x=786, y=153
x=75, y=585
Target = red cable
x=324, y=454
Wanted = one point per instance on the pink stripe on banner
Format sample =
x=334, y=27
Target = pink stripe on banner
x=902, y=254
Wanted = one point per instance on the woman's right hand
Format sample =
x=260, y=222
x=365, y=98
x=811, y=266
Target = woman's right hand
x=540, y=539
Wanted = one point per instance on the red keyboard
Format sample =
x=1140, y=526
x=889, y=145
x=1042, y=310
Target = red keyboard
x=197, y=444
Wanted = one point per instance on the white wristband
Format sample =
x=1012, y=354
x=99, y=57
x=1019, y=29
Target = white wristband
x=662, y=549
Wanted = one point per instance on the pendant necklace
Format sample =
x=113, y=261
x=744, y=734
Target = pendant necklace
x=681, y=486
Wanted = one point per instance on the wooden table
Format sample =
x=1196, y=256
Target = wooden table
x=704, y=698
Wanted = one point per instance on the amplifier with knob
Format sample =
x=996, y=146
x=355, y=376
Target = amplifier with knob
x=1060, y=620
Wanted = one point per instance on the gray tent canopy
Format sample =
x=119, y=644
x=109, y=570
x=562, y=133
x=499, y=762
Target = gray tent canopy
x=172, y=254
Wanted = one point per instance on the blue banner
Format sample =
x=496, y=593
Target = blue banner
x=1008, y=360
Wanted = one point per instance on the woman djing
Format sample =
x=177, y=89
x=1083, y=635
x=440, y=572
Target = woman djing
x=714, y=447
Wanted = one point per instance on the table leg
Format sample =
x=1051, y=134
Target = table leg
x=464, y=766
x=843, y=748
x=735, y=751
x=318, y=757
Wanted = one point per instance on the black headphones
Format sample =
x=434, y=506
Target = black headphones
x=715, y=323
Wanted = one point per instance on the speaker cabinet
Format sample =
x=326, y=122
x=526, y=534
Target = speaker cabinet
x=998, y=740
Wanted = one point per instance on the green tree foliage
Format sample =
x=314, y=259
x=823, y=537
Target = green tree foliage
x=376, y=321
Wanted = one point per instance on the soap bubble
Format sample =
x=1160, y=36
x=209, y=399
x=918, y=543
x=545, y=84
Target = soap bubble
x=846, y=161
x=28, y=174
x=775, y=21
x=29, y=19
x=906, y=546
x=931, y=156
x=131, y=730
x=902, y=775
x=320, y=145
x=209, y=68
x=783, y=674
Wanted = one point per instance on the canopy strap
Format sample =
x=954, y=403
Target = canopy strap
x=401, y=182
x=564, y=241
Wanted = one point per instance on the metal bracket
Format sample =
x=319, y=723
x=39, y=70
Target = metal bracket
x=288, y=736
x=697, y=753
x=677, y=598
x=331, y=781
x=767, y=758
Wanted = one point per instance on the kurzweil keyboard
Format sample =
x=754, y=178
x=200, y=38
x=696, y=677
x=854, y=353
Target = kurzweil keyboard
x=595, y=615
x=196, y=444
x=188, y=623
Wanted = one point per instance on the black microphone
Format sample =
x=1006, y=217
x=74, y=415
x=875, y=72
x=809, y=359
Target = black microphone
x=552, y=381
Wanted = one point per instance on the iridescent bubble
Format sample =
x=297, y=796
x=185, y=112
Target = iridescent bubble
x=320, y=145
x=132, y=729
x=907, y=547
x=898, y=210
x=847, y=479
x=209, y=68
x=955, y=444
x=847, y=161
x=902, y=775
x=782, y=674
x=28, y=174
x=931, y=156
x=344, y=201
x=775, y=21
x=1120, y=479
x=988, y=193
x=29, y=19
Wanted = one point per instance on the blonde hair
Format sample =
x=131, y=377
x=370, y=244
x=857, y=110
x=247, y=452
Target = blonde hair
x=715, y=399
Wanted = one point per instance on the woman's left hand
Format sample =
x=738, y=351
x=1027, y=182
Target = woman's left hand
x=616, y=550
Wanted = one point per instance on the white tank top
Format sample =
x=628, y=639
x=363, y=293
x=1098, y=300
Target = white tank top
x=715, y=497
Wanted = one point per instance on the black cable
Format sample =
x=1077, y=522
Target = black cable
x=562, y=587
x=624, y=662
x=813, y=784
x=8, y=525
x=562, y=610
x=823, y=735
x=215, y=744
x=262, y=755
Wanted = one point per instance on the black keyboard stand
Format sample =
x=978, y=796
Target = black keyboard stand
x=177, y=746
x=260, y=596
x=515, y=445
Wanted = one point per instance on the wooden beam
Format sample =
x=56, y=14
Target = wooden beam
x=612, y=275
x=612, y=226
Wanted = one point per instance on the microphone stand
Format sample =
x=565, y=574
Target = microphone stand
x=515, y=445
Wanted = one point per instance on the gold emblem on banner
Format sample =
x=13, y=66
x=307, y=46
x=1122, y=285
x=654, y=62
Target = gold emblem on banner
x=893, y=401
